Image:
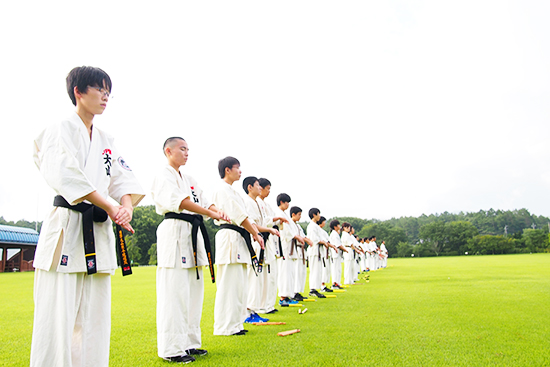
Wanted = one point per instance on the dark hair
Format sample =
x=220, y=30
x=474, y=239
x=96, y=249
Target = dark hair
x=227, y=162
x=264, y=182
x=169, y=142
x=295, y=210
x=283, y=198
x=346, y=225
x=313, y=212
x=321, y=220
x=251, y=180
x=334, y=223
x=83, y=77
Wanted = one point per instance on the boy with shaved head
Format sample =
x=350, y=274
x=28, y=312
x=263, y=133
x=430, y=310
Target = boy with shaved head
x=180, y=255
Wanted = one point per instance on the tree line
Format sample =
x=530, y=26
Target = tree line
x=445, y=234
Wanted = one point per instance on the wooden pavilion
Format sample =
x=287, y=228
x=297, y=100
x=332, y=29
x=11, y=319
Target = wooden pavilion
x=17, y=248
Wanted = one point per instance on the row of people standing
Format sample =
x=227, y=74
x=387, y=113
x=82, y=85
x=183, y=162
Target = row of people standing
x=75, y=255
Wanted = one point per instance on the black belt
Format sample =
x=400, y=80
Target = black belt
x=91, y=214
x=261, y=259
x=280, y=245
x=197, y=222
x=246, y=236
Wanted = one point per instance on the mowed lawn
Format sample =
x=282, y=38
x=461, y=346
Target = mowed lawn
x=448, y=311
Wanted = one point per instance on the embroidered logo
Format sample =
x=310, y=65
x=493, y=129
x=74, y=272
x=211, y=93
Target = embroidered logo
x=91, y=264
x=123, y=164
x=238, y=256
x=195, y=198
x=107, y=157
x=183, y=260
x=64, y=260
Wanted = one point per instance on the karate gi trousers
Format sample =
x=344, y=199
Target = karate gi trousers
x=231, y=296
x=315, y=272
x=349, y=271
x=336, y=269
x=300, y=277
x=179, y=308
x=286, y=277
x=269, y=294
x=72, y=319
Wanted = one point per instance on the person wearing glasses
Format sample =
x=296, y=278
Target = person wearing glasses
x=75, y=256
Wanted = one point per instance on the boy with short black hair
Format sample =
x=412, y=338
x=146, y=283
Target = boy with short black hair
x=300, y=267
x=233, y=251
x=256, y=277
x=336, y=253
x=272, y=244
x=75, y=255
x=315, y=259
x=290, y=236
x=326, y=257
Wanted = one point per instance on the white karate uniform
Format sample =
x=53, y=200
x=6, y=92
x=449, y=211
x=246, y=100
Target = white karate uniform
x=348, y=258
x=270, y=273
x=384, y=251
x=286, y=263
x=232, y=257
x=336, y=264
x=327, y=260
x=255, y=280
x=315, y=261
x=370, y=256
x=363, y=257
x=300, y=266
x=179, y=293
x=376, y=256
x=72, y=313
x=356, y=260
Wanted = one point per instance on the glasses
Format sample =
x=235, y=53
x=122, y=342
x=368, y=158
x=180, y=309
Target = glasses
x=105, y=92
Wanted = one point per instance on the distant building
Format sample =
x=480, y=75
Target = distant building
x=17, y=248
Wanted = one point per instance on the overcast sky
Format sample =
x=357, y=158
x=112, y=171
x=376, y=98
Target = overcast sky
x=361, y=108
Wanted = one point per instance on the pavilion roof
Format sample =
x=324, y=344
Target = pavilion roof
x=18, y=235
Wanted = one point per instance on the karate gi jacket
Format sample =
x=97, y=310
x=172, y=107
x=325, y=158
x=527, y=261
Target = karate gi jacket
x=335, y=240
x=75, y=166
x=314, y=234
x=287, y=231
x=168, y=191
x=230, y=245
x=347, y=241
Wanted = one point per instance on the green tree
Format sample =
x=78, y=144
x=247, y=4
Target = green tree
x=433, y=236
x=404, y=249
x=384, y=231
x=153, y=254
x=536, y=240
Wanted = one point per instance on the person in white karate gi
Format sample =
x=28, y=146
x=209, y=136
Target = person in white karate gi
x=256, y=277
x=270, y=273
x=180, y=285
x=319, y=247
x=349, y=257
x=72, y=287
x=288, y=251
x=384, y=252
x=326, y=256
x=337, y=254
x=300, y=266
x=232, y=252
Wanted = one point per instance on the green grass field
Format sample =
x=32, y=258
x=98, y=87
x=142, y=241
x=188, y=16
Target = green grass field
x=449, y=311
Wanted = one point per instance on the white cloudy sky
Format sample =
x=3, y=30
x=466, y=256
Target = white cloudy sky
x=363, y=108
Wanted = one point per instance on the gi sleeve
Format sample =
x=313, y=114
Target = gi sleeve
x=55, y=156
x=225, y=200
x=123, y=182
x=167, y=194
